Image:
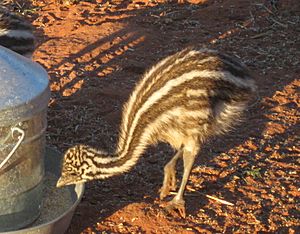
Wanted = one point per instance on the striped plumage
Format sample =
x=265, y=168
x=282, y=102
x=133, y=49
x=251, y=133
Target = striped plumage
x=183, y=100
x=15, y=33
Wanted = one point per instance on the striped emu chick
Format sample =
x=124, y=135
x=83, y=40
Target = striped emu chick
x=16, y=34
x=183, y=100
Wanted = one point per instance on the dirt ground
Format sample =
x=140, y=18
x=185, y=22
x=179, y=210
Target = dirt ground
x=95, y=51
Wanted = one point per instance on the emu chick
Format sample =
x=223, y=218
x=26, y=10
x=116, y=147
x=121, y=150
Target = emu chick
x=183, y=100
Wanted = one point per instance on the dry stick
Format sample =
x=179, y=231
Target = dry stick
x=266, y=8
x=279, y=23
x=252, y=17
x=208, y=196
x=260, y=35
x=272, y=13
x=219, y=200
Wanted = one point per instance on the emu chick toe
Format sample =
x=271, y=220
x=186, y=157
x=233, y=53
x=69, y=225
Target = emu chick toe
x=175, y=205
x=168, y=185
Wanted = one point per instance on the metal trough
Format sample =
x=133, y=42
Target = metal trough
x=61, y=222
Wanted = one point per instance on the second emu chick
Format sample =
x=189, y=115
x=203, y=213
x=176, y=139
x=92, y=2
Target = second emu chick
x=183, y=100
x=16, y=34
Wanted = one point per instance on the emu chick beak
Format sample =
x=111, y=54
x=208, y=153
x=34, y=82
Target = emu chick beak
x=61, y=182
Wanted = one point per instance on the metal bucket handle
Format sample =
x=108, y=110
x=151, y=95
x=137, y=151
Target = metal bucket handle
x=20, y=139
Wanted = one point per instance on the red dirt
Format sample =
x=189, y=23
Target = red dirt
x=95, y=51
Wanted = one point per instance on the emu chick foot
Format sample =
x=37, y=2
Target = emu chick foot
x=175, y=205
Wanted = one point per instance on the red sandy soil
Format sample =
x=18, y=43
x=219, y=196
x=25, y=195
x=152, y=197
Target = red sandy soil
x=95, y=51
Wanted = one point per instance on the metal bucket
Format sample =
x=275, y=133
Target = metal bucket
x=24, y=96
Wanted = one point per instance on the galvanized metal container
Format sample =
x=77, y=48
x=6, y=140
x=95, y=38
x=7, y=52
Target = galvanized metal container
x=24, y=96
x=61, y=222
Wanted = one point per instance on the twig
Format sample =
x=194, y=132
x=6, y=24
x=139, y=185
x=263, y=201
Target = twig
x=252, y=17
x=220, y=200
x=291, y=22
x=277, y=22
x=156, y=16
x=260, y=35
x=208, y=196
x=266, y=8
x=172, y=12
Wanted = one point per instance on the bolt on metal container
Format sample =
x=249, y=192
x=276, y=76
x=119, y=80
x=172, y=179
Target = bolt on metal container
x=24, y=97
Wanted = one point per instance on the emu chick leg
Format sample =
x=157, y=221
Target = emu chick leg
x=169, y=183
x=178, y=203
